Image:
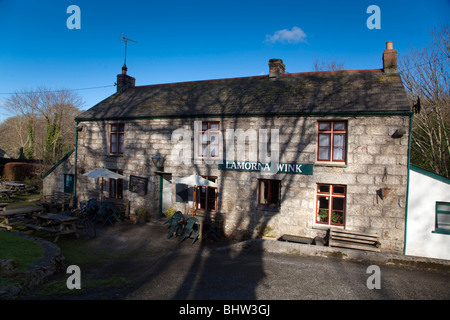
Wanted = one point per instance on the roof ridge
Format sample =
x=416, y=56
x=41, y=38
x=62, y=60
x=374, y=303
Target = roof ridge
x=255, y=77
x=194, y=81
x=334, y=71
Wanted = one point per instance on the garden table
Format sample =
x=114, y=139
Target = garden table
x=13, y=217
x=58, y=224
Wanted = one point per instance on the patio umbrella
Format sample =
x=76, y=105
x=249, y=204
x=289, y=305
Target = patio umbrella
x=195, y=181
x=103, y=173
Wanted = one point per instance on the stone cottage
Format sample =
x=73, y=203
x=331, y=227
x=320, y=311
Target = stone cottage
x=292, y=153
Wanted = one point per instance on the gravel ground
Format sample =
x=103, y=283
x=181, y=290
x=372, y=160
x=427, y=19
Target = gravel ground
x=148, y=266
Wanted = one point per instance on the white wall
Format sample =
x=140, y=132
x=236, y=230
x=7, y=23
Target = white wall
x=424, y=191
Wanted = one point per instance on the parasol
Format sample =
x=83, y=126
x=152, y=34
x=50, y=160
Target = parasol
x=103, y=173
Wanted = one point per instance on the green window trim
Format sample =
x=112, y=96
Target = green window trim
x=437, y=227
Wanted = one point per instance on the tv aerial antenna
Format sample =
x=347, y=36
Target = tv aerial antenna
x=124, y=39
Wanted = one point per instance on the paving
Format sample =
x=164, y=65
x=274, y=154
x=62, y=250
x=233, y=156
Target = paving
x=151, y=267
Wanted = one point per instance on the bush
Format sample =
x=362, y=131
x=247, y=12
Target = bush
x=20, y=171
x=141, y=212
x=170, y=212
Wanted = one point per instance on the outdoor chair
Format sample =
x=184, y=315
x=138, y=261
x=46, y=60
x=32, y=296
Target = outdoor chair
x=108, y=212
x=189, y=229
x=176, y=222
x=91, y=206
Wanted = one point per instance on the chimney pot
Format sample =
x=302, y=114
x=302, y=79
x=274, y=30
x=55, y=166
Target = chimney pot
x=276, y=68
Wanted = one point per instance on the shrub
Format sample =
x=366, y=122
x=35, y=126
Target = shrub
x=20, y=171
x=141, y=212
x=169, y=212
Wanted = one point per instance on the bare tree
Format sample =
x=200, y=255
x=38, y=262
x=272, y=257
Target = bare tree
x=328, y=66
x=425, y=74
x=43, y=122
x=13, y=135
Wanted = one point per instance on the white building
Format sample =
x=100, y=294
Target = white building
x=428, y=215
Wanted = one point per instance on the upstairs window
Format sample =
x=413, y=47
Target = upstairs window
x=332, y=141
x=116, y=138
x=209, y=139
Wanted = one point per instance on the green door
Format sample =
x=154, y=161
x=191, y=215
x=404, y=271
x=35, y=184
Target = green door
x=68, y=183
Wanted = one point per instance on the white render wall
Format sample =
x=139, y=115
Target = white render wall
x=424, y=192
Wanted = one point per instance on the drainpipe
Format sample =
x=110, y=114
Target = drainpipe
x=407, y=184
x=160, y=196
x=75, y=202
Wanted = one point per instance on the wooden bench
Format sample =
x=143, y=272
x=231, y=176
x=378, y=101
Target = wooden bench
x=60, y=200
x=354, y=240
x=296, y=239
x=37, y=227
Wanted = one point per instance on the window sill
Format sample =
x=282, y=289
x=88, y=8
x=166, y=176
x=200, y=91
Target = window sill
x=203, y=212
x=115, y=155
x=441, y=231
x=327, y=227
x=330, y=164
x=267, y=208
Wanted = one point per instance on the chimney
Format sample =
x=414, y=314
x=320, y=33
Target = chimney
x=276, y=68
x=389, y=58
x=124, y=81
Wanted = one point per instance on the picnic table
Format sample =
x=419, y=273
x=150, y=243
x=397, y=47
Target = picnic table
x=13, y=217
x=5, y=194
x=13, y=185
x=57, y=224
x=8, y=189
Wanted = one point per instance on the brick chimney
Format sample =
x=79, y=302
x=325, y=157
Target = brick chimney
x=389, y=58
x=124, y=81
x=276, y=68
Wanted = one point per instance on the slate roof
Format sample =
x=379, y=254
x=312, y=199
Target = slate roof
x=314, y=93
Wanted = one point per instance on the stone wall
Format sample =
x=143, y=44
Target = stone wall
x=376, y=159
x=54, y=182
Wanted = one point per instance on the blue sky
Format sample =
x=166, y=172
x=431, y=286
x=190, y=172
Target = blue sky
x=196, y=40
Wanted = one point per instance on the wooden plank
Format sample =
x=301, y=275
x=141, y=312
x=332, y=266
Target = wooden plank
x=334, y=243
x=371, y=242
x=355, y=246
x=342, y=235
x=335, y=231
x=21, y=211
x=353, y=236
x=6, y=226
x=350, y=237
x=354, y=240
x=297, y=239
x=34, y=226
